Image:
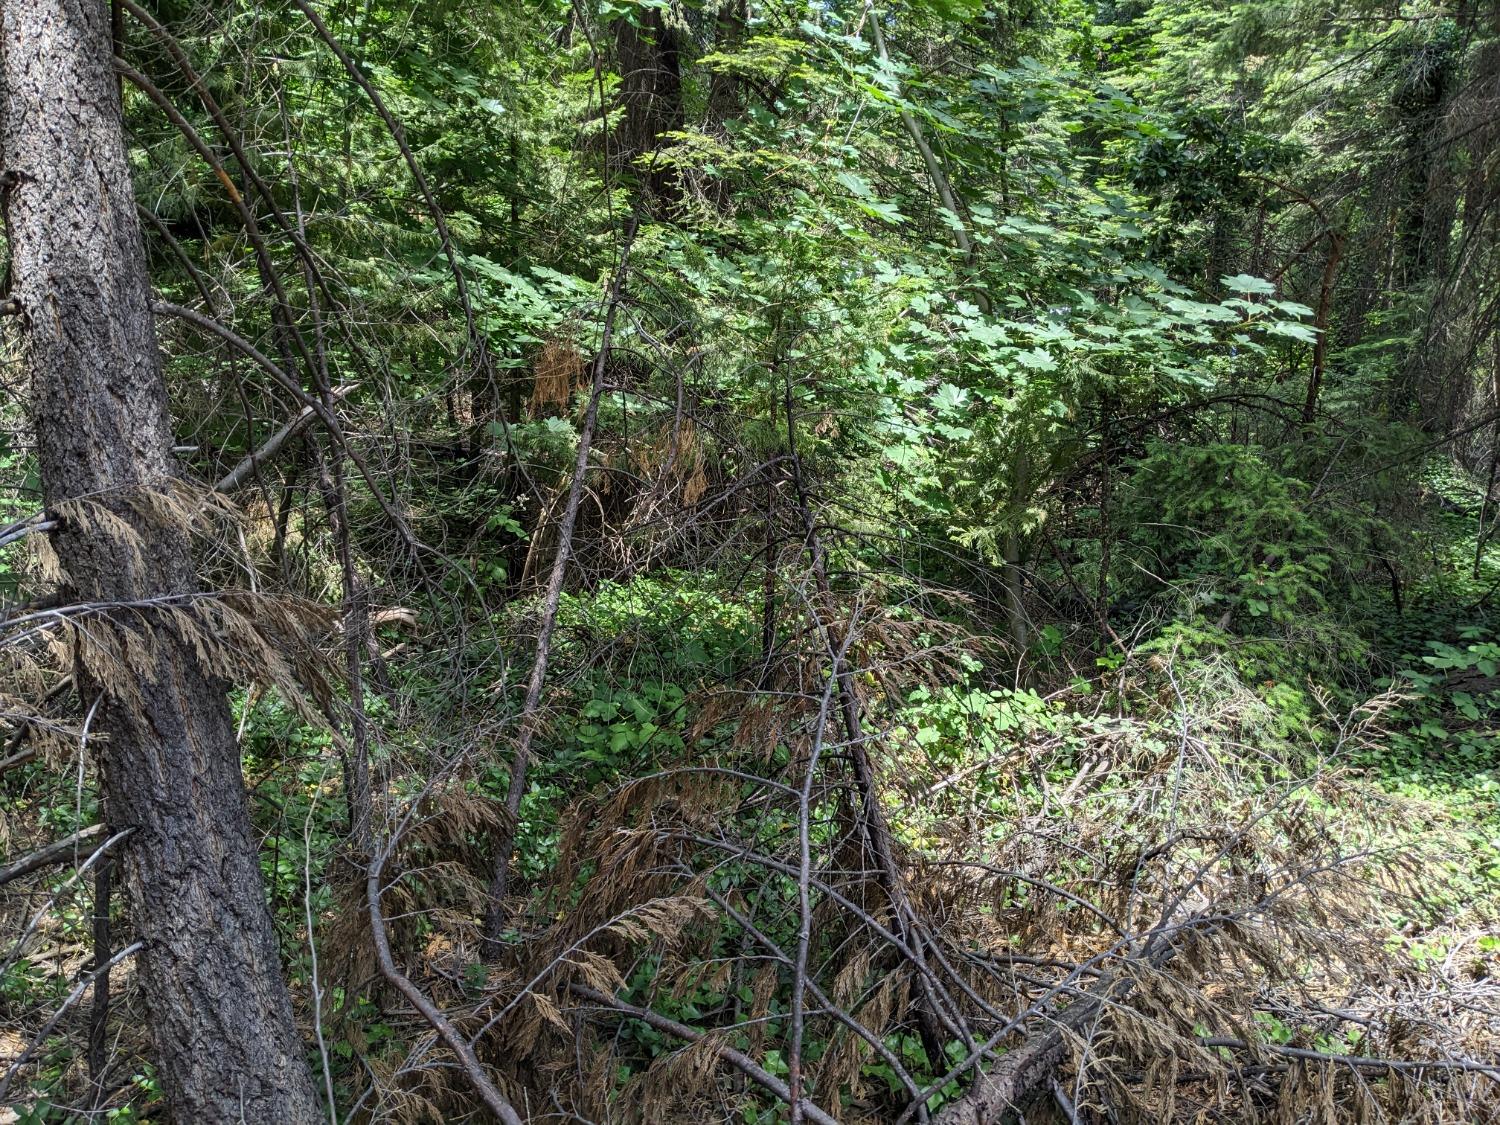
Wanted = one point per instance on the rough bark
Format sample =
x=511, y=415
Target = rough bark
x=220, y=1014
x=651, y=97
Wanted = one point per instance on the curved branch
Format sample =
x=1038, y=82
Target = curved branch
x=473, y=1069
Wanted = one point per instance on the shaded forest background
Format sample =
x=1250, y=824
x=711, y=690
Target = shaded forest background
x=791, y=563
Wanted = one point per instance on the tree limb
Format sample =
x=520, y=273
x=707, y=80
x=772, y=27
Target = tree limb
x=494, y=919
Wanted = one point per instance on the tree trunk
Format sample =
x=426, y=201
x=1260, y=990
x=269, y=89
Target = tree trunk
x=1320, y=325
x=651, y=97
x=219, y=1011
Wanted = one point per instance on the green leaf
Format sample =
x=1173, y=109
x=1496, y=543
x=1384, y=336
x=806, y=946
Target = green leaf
x=949, y=397
x=1292, y=330
x=885, y=212
x=1037, y=359
x=1245, y=283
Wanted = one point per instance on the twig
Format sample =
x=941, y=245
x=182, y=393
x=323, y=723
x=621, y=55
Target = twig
x=22, y=528
x=873, y=1038
x=804, y=878
x=329, y=419
x=36, y=919
x=1490, y=1070
x=272, y=445
x=99, y=1017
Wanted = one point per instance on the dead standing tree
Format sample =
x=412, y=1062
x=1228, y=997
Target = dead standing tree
x=219, y=1009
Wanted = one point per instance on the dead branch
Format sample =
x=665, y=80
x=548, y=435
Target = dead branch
x=1363, y=1062
x=737, y=1059
x=472, y=1067
x=72, y=847
x=242, y=472
x=494, y=920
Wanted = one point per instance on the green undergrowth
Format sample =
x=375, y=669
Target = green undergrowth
x=1318, y=641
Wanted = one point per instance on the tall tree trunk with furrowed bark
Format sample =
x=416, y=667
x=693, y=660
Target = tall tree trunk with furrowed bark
x=650, y=63
x=219, y=1010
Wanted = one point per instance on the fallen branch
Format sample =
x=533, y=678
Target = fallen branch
x=1026, y=1070
x=1363, y=1062
x=935, y=1022
x=1020, y=1073
x=242, y=472
x=492, y=1098
x=64, y=849
x=737, y=1059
